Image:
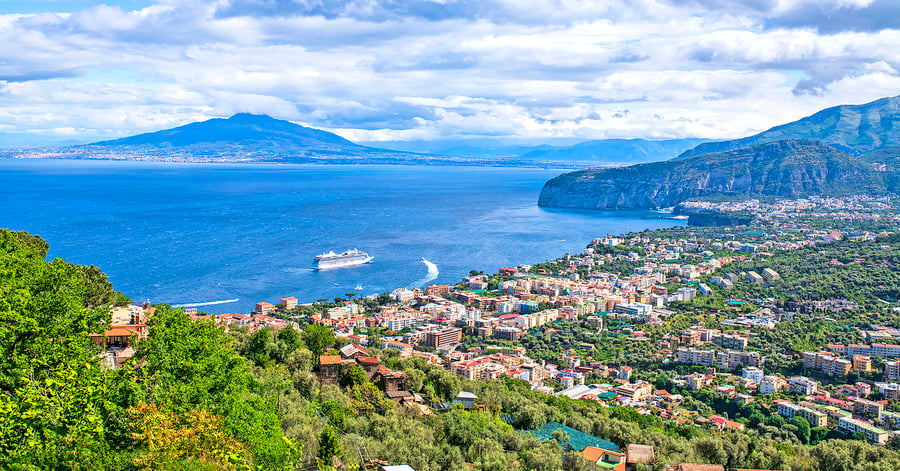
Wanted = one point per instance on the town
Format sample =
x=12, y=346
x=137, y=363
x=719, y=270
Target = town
x=675, y=324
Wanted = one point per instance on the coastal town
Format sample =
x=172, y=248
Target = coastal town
x=688, y=320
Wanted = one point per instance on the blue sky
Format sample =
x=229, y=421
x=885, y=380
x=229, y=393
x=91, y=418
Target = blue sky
x=455, y=71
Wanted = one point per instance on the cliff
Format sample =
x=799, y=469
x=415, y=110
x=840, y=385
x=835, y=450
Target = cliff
x=789, y=168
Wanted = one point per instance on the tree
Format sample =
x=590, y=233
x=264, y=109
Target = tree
x=329, y=446
x=291, y=339
x=54, y=393
x=803, y=429
x=547, y=457
x=318, y=338
x=353, y=375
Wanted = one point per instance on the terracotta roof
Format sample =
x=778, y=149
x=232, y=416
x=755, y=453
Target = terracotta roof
x=593, y=453
x=369, y=360
x=330, y=360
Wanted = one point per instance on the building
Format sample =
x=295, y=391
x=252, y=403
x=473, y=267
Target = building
x=605, y=459
x=753, y=374
x=437, y=290
x=867, y=407
x=690, y=337
x=874, y=434
x=329, y=369
x=687, y=294
x=803, y=385
x=882, y=350
x=734, y=342
x=264, y=308
x=754, y=277
x=507, y=333
x=466, y=399
x=892, y=370
x=770, y=274
x=862, y=363
x=891, y=391
x=826, y=362
x=289, y=302
x=442, y=337
x=770, y=385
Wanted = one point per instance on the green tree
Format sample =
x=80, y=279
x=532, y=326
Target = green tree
x=329, y=445
x=291, y=339
x=353, y=375
x=318, y=338
x=53, y=405
x=803, y=429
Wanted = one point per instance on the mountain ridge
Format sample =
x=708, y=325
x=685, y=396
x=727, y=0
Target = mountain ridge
x=849, y=128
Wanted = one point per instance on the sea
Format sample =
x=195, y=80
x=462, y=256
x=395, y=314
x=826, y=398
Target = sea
x=221, y=237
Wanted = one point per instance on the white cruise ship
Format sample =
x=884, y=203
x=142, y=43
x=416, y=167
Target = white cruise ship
x=346, y=259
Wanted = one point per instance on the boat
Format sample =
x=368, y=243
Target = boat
x=358, y=288
x=346, y=259
x=681, y=217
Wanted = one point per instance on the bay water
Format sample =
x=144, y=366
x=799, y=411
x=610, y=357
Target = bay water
x=225, y=236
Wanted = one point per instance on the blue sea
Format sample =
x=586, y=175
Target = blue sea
x=225, y=236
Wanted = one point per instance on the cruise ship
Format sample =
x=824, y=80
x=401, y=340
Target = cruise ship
x=346, y=259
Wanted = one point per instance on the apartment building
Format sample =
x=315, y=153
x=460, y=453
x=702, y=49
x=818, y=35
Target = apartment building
x=874, y=434
x=442, y=337
x=803, y=385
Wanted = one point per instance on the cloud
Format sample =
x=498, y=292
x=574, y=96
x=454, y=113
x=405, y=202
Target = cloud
x=451, y=69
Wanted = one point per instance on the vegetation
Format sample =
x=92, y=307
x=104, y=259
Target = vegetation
x=197, y=397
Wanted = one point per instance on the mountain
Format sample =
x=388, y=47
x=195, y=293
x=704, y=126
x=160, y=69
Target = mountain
x=241, y=129
x=615, y=151
x=854, y=129
x=788, y=168
x=241, y=138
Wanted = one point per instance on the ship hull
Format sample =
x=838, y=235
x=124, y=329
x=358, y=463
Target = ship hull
x=340, y=263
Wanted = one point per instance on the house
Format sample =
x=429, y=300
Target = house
x=369, y=365
x=393, y=380
x=605, y=458
x=329, y=369
x=465, y=398
x=353, y=351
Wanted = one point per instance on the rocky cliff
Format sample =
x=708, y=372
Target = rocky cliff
x=789, y=168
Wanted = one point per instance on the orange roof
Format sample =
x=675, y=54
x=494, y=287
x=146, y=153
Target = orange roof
x=367, y=360
x=330, y=360
x=118, y=331
x=593, y=453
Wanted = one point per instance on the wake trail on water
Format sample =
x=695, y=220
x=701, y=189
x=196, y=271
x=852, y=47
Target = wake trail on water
x=209, y=303
x=430, y=276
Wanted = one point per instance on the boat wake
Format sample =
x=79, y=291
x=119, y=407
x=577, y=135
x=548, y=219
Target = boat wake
x=210, y=303
x=430, y=276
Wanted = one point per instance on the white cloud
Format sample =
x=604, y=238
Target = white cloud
x=375, y=71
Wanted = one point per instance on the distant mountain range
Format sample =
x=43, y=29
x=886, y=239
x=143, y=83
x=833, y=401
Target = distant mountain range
x=850, y=149
x=260, y=138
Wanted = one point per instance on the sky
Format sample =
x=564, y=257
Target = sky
x=451, y=71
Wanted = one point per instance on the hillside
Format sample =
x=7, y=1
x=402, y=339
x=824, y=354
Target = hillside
x=789, y=168
x=854, y=129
